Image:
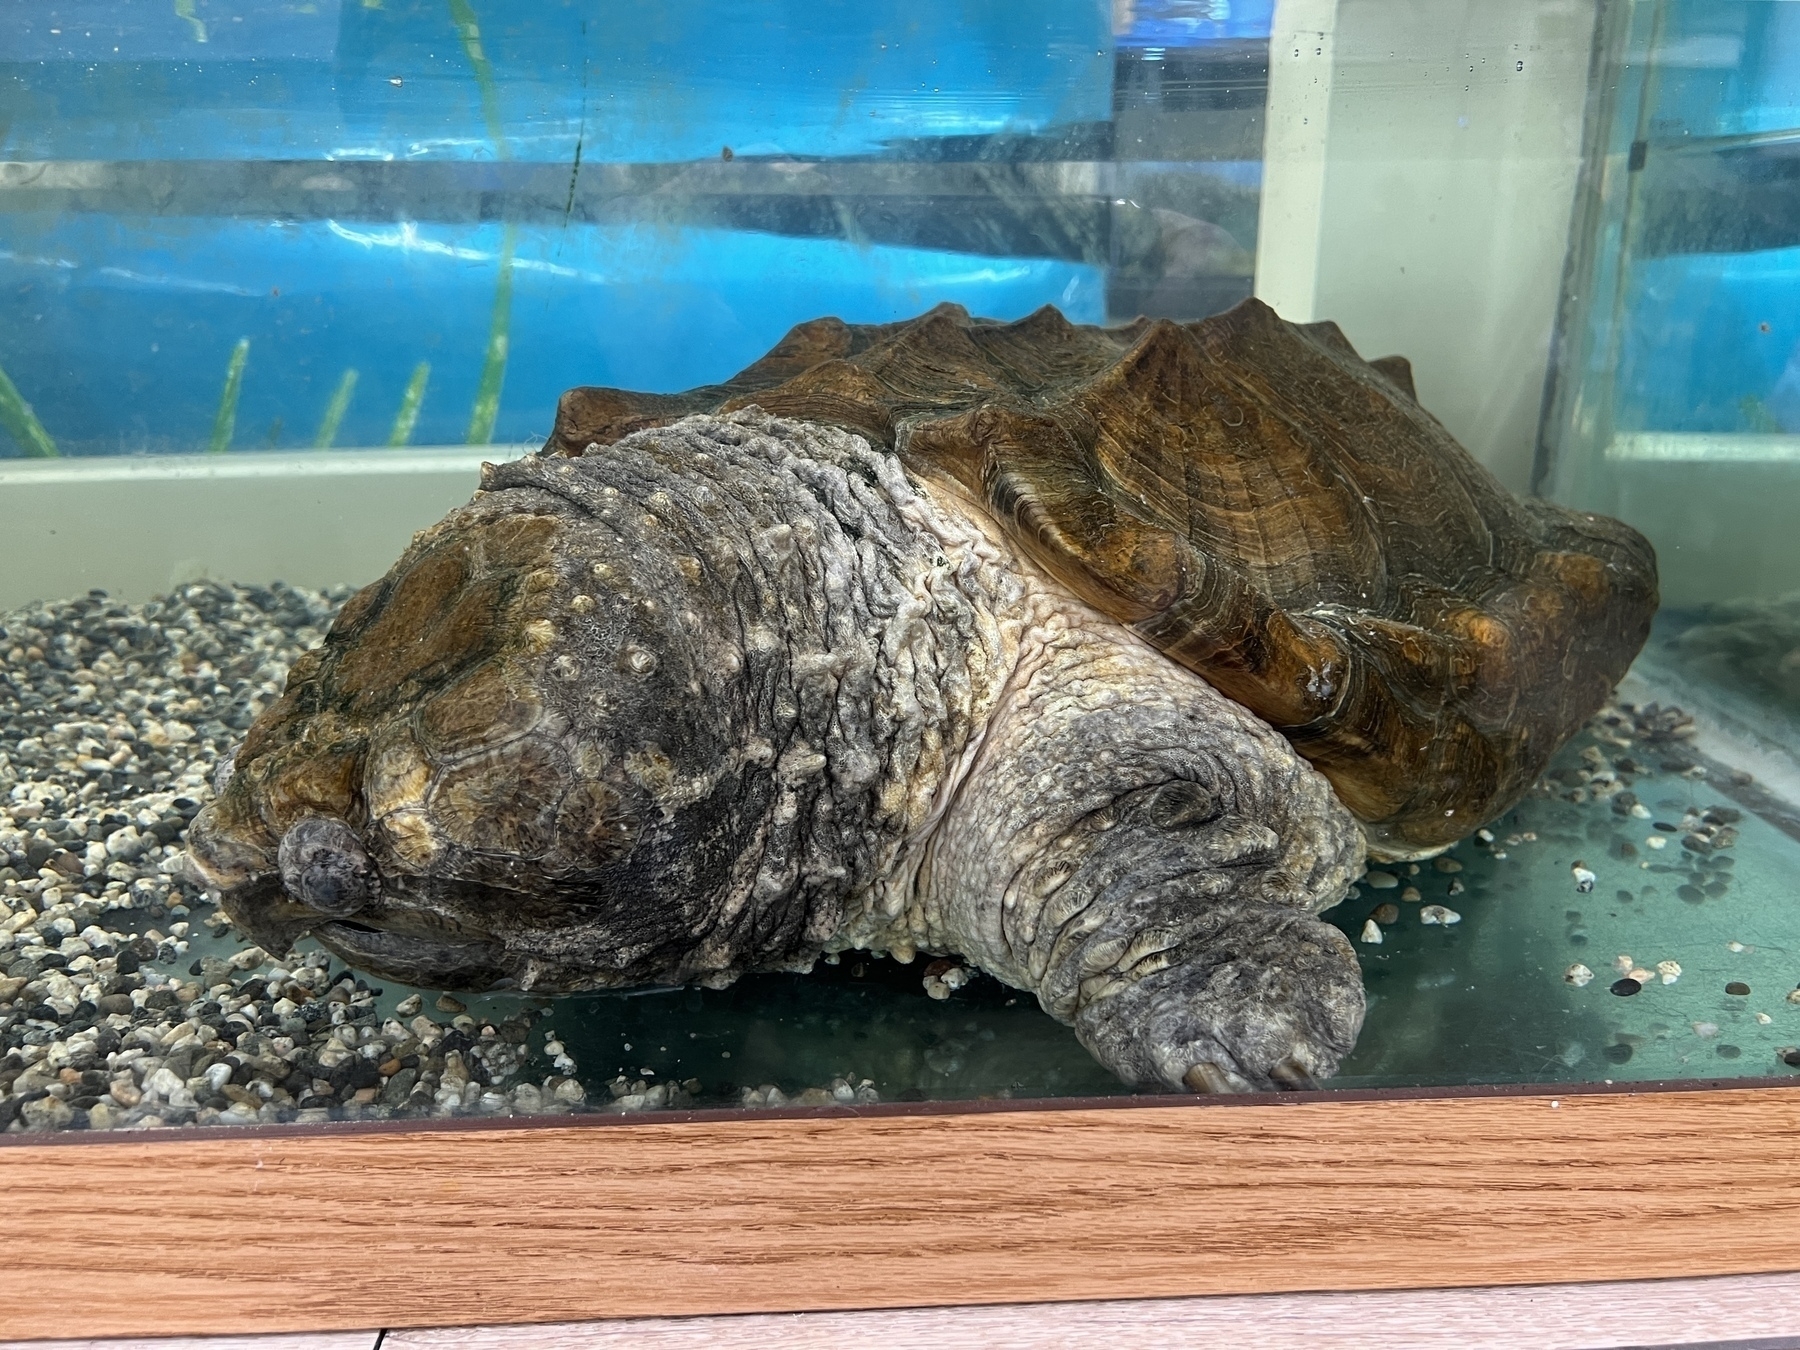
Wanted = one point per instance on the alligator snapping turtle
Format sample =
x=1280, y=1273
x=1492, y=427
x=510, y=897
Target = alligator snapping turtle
x=1098, y=657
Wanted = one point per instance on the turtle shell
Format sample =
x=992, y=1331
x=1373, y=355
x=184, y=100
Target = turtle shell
x=1263, y=505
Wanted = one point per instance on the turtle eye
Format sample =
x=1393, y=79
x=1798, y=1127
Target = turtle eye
x=323, y=865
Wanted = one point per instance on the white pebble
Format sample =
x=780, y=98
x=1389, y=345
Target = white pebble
x=1656, y=841
x=1381, y=881
x=1763, y=1019
x=1371, y=933
x=1706, y=1030
x=1640, y=812
x=1584, y=878
x=1439, y=914
x=1735, y=946
x=1641, y=975
x=1623, y=962
x=1670, y=971
x=1578, y=975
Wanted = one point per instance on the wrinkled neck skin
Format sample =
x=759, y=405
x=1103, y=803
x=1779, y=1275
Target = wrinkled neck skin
x=972, y=761
x=856, y=637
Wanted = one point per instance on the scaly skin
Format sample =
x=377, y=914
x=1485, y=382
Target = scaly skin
x=726, y=695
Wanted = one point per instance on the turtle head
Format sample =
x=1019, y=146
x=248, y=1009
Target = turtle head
x=507, y=764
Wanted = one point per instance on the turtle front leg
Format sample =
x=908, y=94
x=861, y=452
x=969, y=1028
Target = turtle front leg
x=1253, y=994
x=1151, y=867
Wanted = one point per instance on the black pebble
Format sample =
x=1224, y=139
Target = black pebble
x=1626, y=987
x=1728, y=1052
x=1737, y=987
x=1791, y=1058
x=1618, y=1054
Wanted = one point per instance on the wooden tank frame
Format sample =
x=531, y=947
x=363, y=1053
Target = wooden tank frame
x=558, y=1219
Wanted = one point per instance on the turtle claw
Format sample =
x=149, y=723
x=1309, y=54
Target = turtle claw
x=1207, y=1077
x=1292, y=1076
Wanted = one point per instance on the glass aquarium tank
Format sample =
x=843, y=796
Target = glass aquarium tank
x=1673, y=399
x=278, y=279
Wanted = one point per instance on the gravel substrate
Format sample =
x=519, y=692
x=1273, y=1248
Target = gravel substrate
x=124, y=1002
x=126, y=999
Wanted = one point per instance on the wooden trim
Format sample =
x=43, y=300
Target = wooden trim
x=281, y=1231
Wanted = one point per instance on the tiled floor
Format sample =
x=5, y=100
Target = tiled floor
x=1751, y=1312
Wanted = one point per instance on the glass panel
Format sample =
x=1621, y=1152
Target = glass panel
x=267, y=268
x=351, y=224
x=1679, y=405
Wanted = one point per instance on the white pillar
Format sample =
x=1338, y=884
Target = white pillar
x=1421, y=159
x=1301, y=63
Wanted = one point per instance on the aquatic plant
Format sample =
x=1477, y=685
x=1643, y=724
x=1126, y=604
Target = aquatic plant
x=184, y=9
x=409, y=405
x=468, y=31
x=225, y=420
x=493, y=369
x=21, y=422
x=335, y=410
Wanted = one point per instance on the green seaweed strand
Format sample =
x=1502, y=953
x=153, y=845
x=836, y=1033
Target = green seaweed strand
x=184, y=9
x=409, y=405
x=462, y=14
x=225, y=420
x=493, y=369
x=22, y=424
x=335, y=410
x=486, y=410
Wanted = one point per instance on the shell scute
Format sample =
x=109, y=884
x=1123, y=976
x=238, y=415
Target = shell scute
x=1267, y=508
x=502, y=801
